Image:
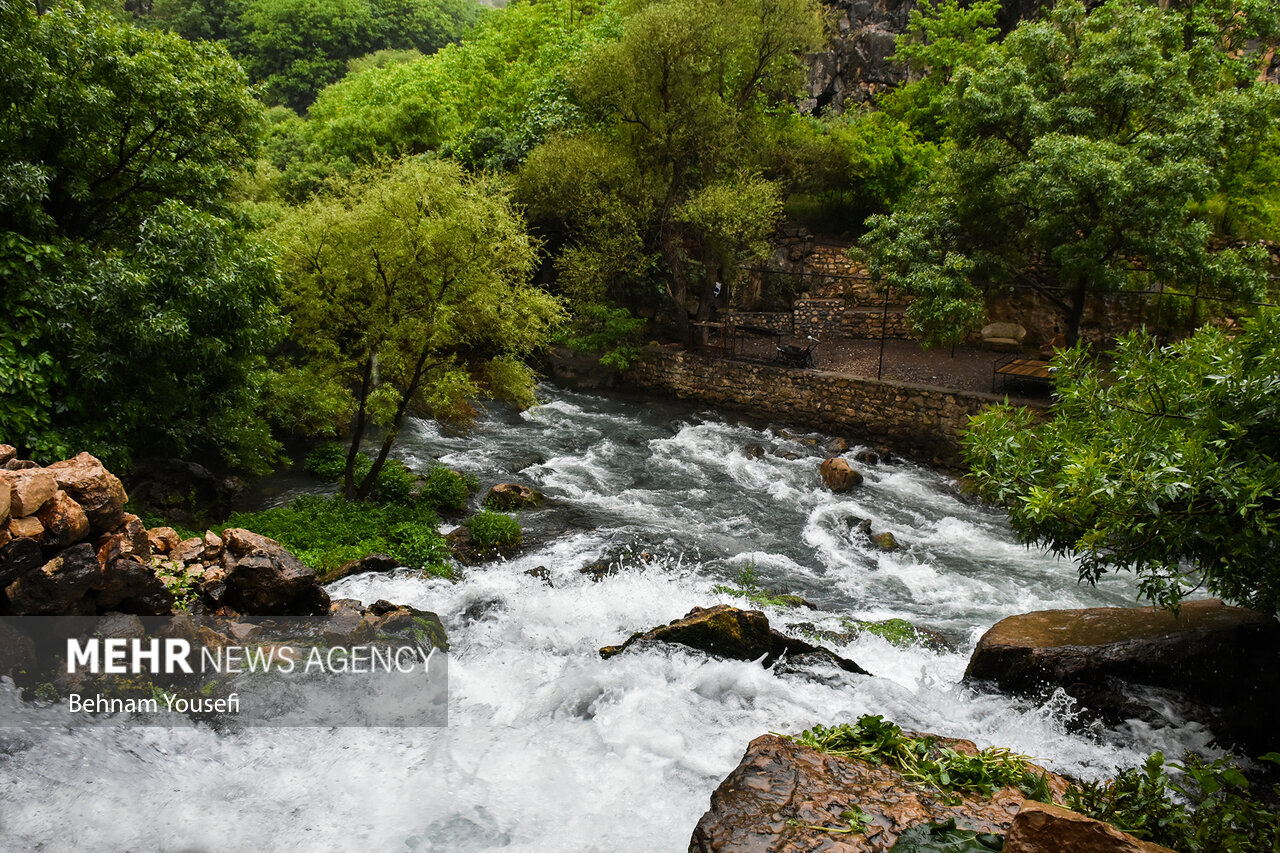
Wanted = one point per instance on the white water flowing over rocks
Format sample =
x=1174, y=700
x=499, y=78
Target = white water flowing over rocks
x=550, y=748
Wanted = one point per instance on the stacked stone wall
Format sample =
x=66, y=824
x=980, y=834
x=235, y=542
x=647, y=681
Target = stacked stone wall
x=919, y=421
x=819, y=318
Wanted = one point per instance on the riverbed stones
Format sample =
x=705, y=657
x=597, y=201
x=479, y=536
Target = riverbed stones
x=1044, y=828
x=1215, y=663
x=370, y=563
x=726, y=632
x=509, y=496
x=782, y=792
x=839, y=475
x=29, y=490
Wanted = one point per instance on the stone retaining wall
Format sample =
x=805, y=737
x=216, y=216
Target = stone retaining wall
x=866, y=324
x=919, y=421
x=821, y=318
x=778, y=321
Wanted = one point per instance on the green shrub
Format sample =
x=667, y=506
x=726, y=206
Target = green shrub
x=491, y=529
x=326, y=532
x=444, y=490
x=1208, y=809
x=327, y=461
x=395, y=483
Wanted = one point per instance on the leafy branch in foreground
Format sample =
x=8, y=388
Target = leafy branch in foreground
x=1165, y=465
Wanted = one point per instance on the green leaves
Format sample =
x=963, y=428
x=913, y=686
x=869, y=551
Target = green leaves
x=1165, y=465
x=1083, y=145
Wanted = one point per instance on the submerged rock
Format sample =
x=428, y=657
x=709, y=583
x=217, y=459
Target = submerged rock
x=1216, y=662
x=727, y=632
x=509, y=496
x=787, y=796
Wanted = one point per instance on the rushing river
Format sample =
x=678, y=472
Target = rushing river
x=550, y=748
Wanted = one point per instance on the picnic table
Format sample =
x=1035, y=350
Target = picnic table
x=1014, y=366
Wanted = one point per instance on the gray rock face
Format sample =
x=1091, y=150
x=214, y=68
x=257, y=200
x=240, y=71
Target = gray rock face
x=855, y=67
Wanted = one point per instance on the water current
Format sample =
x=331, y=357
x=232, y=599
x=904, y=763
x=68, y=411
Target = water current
x=550, y=748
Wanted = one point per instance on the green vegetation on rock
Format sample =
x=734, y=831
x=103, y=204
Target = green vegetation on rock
x=491, y=529
x=923, y=760
x=326, y=532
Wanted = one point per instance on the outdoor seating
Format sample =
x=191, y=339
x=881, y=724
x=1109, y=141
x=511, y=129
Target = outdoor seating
x=1003, y=337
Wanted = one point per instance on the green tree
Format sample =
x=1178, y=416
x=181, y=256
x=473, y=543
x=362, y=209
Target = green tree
x=137, y=312
x=410, y=285
x=1080, y=147
x=682, y=97
x=1164, y=465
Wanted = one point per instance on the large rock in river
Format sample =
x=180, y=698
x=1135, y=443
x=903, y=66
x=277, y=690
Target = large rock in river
x=839, y=475
x=1216, y=662
x=782, y=791
x=1042, y=828
x=262, y=578
x=727, y=632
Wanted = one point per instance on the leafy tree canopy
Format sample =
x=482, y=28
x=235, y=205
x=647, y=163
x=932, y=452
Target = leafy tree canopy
x=1080, y=145
x=136, y=312
x=1164, y=465
x=410, y=285
x=675, y=108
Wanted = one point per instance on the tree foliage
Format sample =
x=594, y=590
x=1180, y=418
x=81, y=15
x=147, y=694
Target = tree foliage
x=674, y=106
x=1166, y=465
x=1080, y=146
x=137, y=312
x=410, y=285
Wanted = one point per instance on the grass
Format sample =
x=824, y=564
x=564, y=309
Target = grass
x=491, y=529
x=750, y=589
x=325, y=533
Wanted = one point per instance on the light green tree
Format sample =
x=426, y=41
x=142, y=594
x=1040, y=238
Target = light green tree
x=682, y=98
x=1165, y=464
x=410, y=285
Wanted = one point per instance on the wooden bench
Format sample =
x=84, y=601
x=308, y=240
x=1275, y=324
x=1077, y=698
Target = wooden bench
x=1022, y=369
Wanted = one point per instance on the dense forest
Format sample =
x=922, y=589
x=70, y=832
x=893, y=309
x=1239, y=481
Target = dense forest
x=229, y=222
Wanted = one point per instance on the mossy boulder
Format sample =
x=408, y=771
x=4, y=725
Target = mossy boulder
x=727, y=632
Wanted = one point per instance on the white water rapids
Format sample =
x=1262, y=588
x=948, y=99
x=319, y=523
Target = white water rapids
x=550, y=748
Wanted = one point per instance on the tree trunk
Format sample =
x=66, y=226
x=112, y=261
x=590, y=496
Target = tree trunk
x=711, y=266
x=371, y=480
x=1075, y=312
x=677, y=287
x=357, y=434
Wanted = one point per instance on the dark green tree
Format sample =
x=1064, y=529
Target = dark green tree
x=1167, y=464
x=136, y=311
x=1081, y=146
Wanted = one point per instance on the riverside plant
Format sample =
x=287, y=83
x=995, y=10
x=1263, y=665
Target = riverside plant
x=750, y=589
x=923, y=761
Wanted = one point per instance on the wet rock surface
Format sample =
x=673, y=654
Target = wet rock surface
x=1216, y=662
x=784, y=796
x=727, y=632
x=1043, y=828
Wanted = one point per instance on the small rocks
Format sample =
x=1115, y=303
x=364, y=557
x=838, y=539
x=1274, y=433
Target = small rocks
x=867, y=457
x=542, y=573
x=836, y=446
x=753, y=451
x=838, y=475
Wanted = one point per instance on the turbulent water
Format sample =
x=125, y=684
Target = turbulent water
x=550, y=748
